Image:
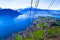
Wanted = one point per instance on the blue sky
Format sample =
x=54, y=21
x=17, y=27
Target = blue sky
x=17, y=4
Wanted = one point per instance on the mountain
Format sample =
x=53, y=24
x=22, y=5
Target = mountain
x=0, y=8
x=9, y=12
x=41, y=11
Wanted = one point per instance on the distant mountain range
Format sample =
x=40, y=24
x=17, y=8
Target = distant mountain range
x=27, y=11
x=37, y=11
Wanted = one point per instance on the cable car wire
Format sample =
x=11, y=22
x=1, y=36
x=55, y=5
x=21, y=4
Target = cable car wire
x=30, y=12
x=51, y=3
x=36, y=5
x=33, y=15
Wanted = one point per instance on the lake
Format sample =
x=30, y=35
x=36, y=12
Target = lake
x=19, y=23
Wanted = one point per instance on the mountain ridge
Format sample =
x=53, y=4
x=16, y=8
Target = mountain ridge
x=42, y=11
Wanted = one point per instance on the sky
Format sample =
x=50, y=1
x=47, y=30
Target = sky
x=20, y=4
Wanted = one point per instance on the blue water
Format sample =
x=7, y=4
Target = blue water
x=8, y=26
x=21, y=22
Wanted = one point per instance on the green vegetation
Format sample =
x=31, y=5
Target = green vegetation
x=46, y=18
x=18, y=37
x=57, y=22
x=52, y=32
x=30, y=38
x=41, y=25
x=38, y=34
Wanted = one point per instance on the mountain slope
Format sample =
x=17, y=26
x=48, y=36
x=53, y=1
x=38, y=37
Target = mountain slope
x=9, y=12
x=42, y=11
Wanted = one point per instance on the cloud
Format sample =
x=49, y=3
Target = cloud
x=17, y=4
x=21, y=17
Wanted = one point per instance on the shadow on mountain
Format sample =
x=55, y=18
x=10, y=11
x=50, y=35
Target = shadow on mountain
x=9, y=12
